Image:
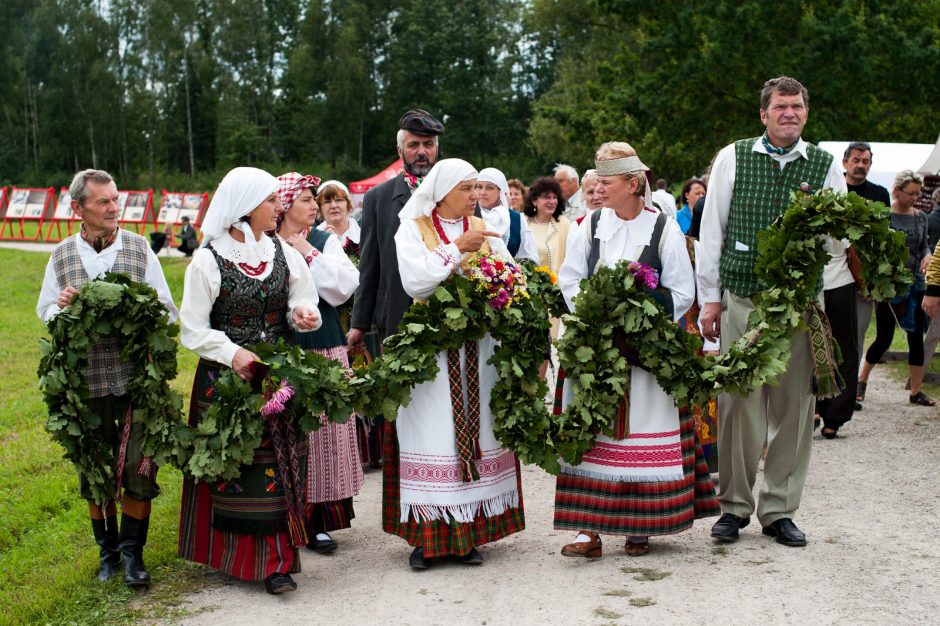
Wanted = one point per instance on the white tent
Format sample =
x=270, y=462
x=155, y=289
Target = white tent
x=931, y=166
x=888, y=158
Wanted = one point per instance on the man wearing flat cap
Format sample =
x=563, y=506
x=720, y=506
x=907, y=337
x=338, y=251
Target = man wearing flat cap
x=381, y=300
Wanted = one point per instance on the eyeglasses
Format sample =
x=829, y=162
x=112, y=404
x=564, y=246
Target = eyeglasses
x=910, y=194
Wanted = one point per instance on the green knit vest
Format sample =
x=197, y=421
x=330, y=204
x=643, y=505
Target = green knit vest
x=330, y=334
x=761, y=194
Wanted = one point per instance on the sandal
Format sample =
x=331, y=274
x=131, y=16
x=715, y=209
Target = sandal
x=923, y=399
x=829, y=432
x=860, y=394
x=637, y=548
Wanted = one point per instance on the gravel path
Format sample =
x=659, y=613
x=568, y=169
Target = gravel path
x=871, y=511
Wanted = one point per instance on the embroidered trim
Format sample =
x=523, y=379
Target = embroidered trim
x=445, y=256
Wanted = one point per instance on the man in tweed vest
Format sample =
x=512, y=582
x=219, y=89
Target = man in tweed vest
x=102, y=246
x=751, y=183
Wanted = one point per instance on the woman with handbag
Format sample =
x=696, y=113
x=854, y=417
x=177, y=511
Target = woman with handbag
x=913, y=223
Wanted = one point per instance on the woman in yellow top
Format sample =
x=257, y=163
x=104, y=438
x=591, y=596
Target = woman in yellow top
x=543, y=209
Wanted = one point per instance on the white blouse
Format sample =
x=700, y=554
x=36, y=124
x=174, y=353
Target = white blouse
x=423, y=270
x=203, y=280
x=353, y=231
x=333, y=273
x=625, y=240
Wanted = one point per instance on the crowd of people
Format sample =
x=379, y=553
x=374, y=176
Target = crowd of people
x=283, y=258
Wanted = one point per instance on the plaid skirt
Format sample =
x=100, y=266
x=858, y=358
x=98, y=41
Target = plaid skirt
x=640, y=508
x=437, y=537
x=244, y=555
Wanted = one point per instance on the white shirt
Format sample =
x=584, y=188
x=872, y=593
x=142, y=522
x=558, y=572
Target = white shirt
x=718, y=206
x=335, y=276
x=201, y=288
x=575, y=208
x=666, y=202
x=96, y=264
x=423, y=270
x=625, y=239
x=498, y=220
x=353, y=231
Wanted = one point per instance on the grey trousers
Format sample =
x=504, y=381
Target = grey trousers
x=780, y=415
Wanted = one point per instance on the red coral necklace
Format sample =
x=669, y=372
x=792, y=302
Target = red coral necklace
x=253, y=270
x=440, y=229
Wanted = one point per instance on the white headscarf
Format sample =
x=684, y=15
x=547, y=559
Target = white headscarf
x=493, y=175
x=444, y=176
x=239, y=193
x=335, y=183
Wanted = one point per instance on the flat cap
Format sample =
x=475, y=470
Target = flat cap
x=420, y=122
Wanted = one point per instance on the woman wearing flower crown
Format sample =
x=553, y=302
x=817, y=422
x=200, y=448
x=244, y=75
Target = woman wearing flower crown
x=450, y=486
x=649, y=478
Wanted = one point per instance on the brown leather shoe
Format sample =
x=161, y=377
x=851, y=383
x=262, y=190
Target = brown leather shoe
x=589, y=549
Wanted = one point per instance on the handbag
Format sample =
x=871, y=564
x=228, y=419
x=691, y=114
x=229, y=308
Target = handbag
x=904, y=307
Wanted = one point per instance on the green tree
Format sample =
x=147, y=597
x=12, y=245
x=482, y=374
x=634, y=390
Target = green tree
x=684, y=79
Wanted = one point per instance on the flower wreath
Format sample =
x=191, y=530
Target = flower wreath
x=129, y=311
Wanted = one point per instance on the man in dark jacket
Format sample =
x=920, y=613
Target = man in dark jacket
x=857, y=161
x=380, y=299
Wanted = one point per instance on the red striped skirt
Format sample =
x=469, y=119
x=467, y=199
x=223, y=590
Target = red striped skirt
x=437, y=537
x=244, y=556
x=640, y=508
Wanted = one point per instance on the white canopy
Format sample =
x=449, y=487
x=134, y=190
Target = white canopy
x=931, y=166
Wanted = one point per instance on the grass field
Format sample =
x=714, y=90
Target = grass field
x=47, y=554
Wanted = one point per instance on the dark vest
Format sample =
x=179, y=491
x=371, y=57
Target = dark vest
x=761, y=194
x=330, y=334
x=649, y=256
x=515, y=232
x=248, y=310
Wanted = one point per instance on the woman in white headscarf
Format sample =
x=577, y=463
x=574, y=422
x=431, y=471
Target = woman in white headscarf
x=495, y=211
x=243, y=288
x=449, y=484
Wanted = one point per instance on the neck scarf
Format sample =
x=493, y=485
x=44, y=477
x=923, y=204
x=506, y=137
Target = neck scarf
x=98, y=243
x=772, y=149
x=412, y=180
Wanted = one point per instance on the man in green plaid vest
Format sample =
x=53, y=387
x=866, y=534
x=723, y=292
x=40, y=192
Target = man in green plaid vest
x=102, y=246
x=750, y=185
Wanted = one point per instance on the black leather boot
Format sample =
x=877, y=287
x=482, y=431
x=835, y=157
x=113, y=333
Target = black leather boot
x=106, y=536
x=132, y=540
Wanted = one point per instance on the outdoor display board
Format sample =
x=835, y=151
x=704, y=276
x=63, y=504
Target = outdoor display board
x=136, y=210
x=175, y=206
x=24, y=206
x=62, y=218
